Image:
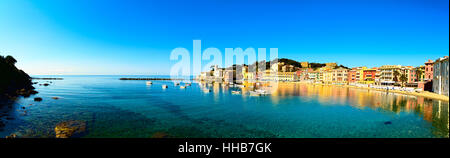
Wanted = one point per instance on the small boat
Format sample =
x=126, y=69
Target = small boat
x=254, y=93
x=206, y=90
x=240, y=86
x=187, y=84
x=164, y=86
x=176, y=84
x=235, y=92
x=148, y=83
x=182, y=87
x=262, y=92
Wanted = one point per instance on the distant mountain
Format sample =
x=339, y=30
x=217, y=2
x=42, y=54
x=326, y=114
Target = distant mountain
x=13, y=81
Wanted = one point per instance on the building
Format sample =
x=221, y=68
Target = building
x=287, y=68
x=377, y=75
x=313, y=76
x=331, y=65
x=304, y=64
x=429, y=70
x=368, y=76
x=440, y=76
x=229, y=75
x=327, y=77
x=420, y=73
x=356, y=75
x=387, y=76
x=339, y=76
x=351, y=76
x=217, y=72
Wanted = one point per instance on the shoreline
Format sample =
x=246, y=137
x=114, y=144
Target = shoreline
x=425, y=94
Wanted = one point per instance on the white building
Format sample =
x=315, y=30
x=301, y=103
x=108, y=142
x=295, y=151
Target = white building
x=440, y=76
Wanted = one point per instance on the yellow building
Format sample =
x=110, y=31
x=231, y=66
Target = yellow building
x=328, y=77
x=279, y=76
x=304, y=64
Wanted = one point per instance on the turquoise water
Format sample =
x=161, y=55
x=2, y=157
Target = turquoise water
x=116, y=108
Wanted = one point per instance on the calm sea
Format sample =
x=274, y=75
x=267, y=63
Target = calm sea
x=117, y=108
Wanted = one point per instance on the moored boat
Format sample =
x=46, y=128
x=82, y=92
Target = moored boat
x=235, y=92
x=254, y=93
x=262, y=92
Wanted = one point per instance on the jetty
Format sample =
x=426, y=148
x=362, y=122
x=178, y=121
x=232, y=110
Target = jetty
x=36, y=78
x=150, y=79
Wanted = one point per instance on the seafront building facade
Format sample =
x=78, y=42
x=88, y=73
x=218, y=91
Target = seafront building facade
x=417, y=78
x=440, y=76
x=429, y=70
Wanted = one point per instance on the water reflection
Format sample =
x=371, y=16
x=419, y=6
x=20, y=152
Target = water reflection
x=434, y=111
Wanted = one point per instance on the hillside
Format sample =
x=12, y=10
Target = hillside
x=13, y=81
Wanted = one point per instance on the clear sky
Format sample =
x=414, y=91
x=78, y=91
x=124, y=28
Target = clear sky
x=137, y=36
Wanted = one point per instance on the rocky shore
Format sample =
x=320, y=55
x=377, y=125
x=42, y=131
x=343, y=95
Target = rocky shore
x=14, y=82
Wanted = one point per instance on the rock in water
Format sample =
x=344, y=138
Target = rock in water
x=11, y=136
x=387, y=122
x=70, y=128
x=38, y=99
x=160, y=135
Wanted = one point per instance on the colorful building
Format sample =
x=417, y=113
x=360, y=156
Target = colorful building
x=429, y=70
x=387, y=76
x=351, y=76
x=368, y=76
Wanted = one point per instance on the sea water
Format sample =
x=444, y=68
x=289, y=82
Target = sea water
x=114, y=108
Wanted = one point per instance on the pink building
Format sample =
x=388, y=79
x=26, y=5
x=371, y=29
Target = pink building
x=429, y=70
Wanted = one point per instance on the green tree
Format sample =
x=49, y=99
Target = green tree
x=419, y=74
x=403, y=79
x=396, y=74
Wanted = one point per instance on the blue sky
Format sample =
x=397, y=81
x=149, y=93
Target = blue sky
x=136, y=36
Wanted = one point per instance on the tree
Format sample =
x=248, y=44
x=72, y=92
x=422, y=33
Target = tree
x=403, y=79
x=419, y=74
x=396, y=74
x=10, y=60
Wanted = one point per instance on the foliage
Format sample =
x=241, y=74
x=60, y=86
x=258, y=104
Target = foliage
x=403, y=79
x=396, y=74
x=419, y=74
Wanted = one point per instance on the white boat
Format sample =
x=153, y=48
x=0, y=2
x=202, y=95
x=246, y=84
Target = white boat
x=240, y=86
x=164, y=86
x=235, y=92
x=176, y=84
x=148, y=83
x=206, y=90
x=182, y=87
x=254, y=93
x=262, y=92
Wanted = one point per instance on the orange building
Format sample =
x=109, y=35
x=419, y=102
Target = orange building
x=351, y=77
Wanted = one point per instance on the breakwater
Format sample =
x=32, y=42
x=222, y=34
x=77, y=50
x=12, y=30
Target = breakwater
x=151, y=79
x=47, y=78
